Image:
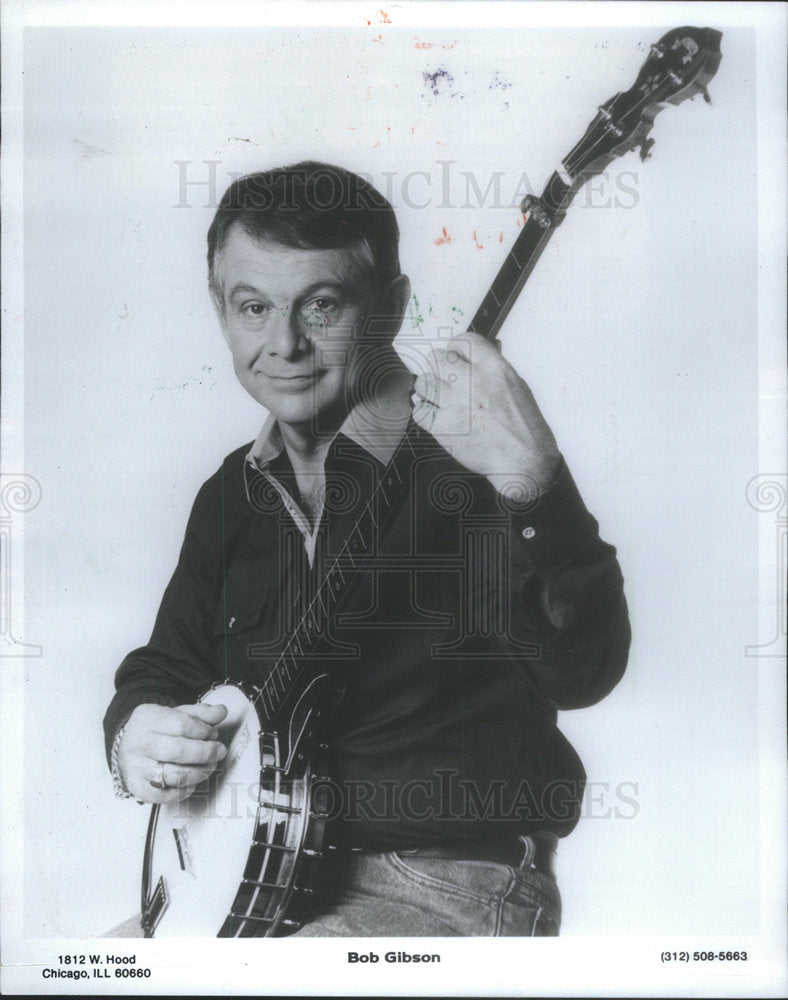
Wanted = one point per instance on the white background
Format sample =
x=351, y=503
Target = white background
x=638, y=333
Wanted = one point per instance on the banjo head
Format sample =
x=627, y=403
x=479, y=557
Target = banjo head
x=202, y=851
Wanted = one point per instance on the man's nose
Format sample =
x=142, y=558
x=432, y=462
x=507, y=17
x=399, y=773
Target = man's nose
x=286, y=338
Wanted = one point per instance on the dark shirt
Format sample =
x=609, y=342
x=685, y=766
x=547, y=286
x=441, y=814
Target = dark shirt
x=470, y=626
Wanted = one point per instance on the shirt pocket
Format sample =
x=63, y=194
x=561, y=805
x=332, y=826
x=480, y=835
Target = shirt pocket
x=247, y=630
x=241, y=607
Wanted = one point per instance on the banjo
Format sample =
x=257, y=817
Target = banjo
x=218, y=864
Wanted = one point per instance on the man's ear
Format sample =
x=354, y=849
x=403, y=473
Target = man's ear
x=391, y=306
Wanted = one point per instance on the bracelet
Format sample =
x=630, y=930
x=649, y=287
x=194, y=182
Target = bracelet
x=118, y=785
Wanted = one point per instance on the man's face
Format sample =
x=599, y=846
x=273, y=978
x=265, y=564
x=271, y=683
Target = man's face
x=291, y=318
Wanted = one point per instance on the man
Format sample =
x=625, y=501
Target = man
x=488, y=600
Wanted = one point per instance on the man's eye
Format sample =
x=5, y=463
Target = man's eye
x=319, y=311
x=322, y=304
x=254, y=309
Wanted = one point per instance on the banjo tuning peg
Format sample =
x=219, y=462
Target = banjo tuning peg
x=645, y=149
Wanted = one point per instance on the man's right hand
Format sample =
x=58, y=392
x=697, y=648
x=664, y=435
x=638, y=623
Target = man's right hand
x=179, y=746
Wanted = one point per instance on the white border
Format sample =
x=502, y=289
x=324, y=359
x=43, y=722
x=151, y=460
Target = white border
x=592, y=965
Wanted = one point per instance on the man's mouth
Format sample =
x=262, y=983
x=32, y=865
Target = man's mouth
x=293, y=380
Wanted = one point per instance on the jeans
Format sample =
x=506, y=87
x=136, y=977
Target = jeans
x=401, y=895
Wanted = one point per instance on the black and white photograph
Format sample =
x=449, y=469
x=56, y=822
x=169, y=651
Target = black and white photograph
x=394, y=500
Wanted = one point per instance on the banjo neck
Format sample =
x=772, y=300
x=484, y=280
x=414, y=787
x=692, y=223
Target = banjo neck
x=542, y=215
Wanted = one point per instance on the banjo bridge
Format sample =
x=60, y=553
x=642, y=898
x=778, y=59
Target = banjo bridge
x=182, y=844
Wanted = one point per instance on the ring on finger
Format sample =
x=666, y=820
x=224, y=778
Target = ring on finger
x=158, y=776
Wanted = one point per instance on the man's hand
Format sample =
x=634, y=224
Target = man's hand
x=476, y=405
x=183, y=740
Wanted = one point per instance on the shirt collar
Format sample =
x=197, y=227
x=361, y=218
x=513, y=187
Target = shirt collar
x=377, y=426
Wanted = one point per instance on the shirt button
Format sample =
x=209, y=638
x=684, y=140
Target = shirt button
x=528, y=532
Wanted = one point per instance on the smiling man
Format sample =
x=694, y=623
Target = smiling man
x=292, y=318
x=485, y=601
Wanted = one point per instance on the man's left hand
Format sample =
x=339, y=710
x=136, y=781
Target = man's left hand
x=475, y=404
